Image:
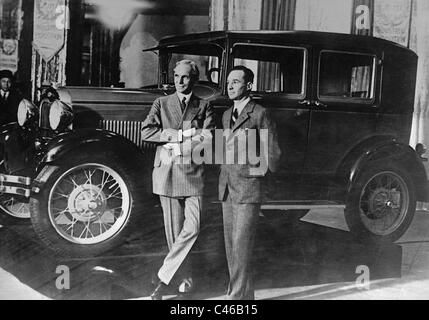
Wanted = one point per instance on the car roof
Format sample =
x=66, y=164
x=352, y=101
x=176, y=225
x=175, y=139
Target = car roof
x=302, y=37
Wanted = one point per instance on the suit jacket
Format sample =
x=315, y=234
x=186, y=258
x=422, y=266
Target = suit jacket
x=176, y=178
x=9, y=107
x=245, y=181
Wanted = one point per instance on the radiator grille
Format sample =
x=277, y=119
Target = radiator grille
x=129, y=129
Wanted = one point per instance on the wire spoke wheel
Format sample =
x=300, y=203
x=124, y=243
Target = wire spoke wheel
x=14, y=207
x=89, y=204
x=384, y=203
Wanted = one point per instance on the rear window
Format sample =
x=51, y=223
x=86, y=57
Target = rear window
x=346, y=75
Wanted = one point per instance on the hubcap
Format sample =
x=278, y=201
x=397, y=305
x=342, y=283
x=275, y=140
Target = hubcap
x=89, y=204
x=384, y=203
x=86, y=203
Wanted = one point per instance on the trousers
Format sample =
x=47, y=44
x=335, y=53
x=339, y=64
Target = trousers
x=182, y=226
x=239, y=224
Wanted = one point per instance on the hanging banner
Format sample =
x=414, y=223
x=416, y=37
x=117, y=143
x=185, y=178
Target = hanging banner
x=363, y=17
x=50, y=18
x=9, y=54
x=10, y=19
x=392, y=20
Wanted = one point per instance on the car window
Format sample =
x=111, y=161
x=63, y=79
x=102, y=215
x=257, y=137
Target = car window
x=277, y=69
x=346, y=75
x=207, y=65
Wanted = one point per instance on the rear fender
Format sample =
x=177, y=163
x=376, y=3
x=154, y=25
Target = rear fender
x=386, y=150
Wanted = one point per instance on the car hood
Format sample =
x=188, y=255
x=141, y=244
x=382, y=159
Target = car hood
x=85, y=95
x=100, y=95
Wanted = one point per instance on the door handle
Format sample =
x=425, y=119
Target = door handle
x=318, y=103
x=305, y=103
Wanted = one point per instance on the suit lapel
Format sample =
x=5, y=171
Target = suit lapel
x=175, y=109
x=244, y=115
x=190, y=112
x=227, y=124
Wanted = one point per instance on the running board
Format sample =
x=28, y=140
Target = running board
x=303, y=204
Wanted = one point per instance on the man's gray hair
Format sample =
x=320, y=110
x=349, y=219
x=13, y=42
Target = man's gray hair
x=194, y=68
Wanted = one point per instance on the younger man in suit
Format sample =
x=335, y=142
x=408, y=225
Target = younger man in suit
x=176, y=179
x=240, y=184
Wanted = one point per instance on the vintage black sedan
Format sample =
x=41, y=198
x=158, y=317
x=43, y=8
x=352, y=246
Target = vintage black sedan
x=343, y=106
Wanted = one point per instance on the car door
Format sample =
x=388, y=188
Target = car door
x=281, y=85
x=344, y=107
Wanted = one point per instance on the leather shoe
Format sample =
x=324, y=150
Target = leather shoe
x=186, y=288
x=160, y=290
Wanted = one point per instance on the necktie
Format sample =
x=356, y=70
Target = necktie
x=183, y=104
x=234, y=117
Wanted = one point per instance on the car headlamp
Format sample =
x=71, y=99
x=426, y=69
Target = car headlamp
x=60, y=115
x=26, y=112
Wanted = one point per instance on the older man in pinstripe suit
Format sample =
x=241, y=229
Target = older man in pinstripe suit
x=176, y=179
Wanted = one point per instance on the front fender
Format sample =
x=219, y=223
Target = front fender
x=17, y=148
x=88, y=140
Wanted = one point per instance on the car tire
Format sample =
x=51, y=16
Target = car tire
x=381, y=203
x=88, y=205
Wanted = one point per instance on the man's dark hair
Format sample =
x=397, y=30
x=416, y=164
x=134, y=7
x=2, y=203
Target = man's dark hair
x=249, y=76
x=6, y=74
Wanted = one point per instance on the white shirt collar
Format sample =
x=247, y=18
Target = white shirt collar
x=239, y=105
x=187, y=96
x=3, y=92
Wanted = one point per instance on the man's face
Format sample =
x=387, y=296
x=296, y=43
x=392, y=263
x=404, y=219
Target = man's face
x=238, y=88
x=183, y=80
x=5, y=84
